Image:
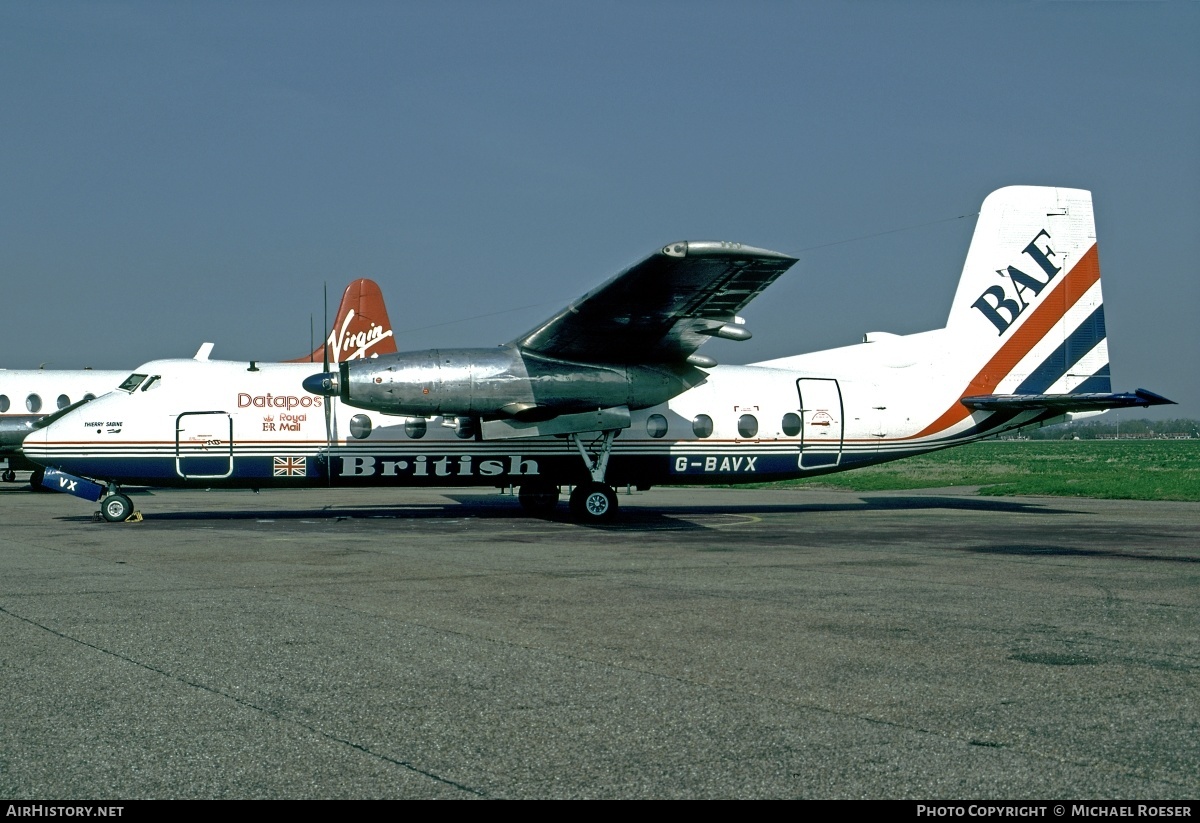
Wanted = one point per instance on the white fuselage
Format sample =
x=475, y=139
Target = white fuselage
x=221, y=423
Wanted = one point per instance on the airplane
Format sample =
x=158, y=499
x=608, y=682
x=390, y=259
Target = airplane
x=611, y=391
x=41, y=393
x=360, y=329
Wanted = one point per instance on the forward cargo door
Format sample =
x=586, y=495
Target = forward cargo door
x=204, y=445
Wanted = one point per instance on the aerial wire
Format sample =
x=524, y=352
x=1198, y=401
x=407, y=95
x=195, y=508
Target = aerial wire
x=560, y=301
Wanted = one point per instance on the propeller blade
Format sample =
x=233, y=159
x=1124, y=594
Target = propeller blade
x=328, y=400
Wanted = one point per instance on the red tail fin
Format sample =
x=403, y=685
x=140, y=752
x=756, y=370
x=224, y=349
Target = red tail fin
x=361, y=328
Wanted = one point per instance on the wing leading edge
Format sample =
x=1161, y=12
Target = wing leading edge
x=662, y=309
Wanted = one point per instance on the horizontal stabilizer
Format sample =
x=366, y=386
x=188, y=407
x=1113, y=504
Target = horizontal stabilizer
x=1084, y=401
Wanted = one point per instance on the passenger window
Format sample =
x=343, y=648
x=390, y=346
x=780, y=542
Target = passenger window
x=656, y=425
x=33, y=403
x=791, y=424
x=415, y=427
x=132, y=382
x=3, y=402
x=747, y=425
x=63, y=401
x=89, y=396
x=360, y=427
x=702, y=425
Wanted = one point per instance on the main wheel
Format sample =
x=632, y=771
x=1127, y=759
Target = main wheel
x=116, y=508
x=594, y=502
x=538, y=498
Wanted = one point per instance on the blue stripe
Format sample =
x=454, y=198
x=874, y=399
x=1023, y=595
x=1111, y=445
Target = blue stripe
x=1082, y=340
x=1098, y=382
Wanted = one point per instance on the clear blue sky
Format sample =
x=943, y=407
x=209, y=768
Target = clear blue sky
x=175, y=172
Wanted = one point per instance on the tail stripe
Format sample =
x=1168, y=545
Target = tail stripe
x=1098, y=382
x=1077, y=346
x=1064, y=295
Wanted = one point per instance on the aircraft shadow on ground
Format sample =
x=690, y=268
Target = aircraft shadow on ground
x=632, y=518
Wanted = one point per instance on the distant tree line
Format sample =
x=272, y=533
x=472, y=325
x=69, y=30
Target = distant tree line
x=1101, y=429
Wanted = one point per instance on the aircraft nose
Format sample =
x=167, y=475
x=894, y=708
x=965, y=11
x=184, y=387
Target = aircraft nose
x=325, y=383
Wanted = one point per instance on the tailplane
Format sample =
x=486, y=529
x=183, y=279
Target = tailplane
x=361, y=328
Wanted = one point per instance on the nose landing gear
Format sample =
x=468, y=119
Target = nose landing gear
x=116, y=508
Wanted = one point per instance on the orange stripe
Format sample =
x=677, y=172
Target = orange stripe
x=1057, y=303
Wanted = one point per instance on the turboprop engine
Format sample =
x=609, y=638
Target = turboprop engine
x=498, y=384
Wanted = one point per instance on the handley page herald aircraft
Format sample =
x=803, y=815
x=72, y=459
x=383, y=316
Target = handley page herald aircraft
x=360, y=329
x=1024, y=343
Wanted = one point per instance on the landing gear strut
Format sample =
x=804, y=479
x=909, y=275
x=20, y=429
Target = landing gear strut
x=595, y=501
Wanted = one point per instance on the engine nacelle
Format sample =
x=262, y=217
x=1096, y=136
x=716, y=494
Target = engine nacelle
x=495, y=383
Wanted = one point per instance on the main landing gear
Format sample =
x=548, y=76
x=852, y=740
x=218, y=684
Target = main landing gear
x=594, y=501
x=539, y=499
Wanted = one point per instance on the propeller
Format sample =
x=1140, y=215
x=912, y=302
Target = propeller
x=328, y=399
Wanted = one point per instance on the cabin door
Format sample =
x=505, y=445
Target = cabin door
x=821, y=423
x=204, y=445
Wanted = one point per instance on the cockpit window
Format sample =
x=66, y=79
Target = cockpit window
x=152, y=381
x=132, y=382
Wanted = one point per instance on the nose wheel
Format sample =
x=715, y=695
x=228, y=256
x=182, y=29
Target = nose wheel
x=116, y=508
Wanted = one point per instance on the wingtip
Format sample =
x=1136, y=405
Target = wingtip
x=719, y=248
x=1153, y=399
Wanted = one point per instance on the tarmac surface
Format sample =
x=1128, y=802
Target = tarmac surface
x=712, y=643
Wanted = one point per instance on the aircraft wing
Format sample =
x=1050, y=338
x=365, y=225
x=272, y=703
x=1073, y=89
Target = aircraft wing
x=662, y=309
x=1084, y=401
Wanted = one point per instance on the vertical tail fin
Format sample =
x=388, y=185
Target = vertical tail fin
x=1028, y=313
x=361, y=328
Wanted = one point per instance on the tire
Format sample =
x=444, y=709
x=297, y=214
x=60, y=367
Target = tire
x=9, y=476
x=116, y=508
x=35, y=481
x=594, y=503
x=539, y=499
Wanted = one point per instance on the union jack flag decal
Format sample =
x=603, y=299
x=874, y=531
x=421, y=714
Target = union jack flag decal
x=290, y=467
